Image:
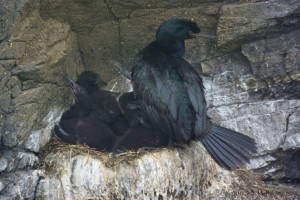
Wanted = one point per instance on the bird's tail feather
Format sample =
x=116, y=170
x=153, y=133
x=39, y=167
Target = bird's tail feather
x=230, y=149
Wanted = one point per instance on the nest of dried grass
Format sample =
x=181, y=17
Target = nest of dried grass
x=59, y=148
x=244, y=185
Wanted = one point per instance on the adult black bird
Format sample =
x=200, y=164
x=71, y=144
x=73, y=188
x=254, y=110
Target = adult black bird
x=172, y=96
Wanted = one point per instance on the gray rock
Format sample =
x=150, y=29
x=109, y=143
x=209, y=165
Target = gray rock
x=292, y=141
x=240, y=22
x=9, y=17
x=35, y=54
x=230, y=62
x=123, y=9
x=21, y=185
x=274, y=57
x=15, y=129
x=48, y=50
x=274, y=124
x=5, y=197
x=3, y=163
x=260, y=161
x=5, y=92
x=99, y=46
x=251, y=79
x=119, y=84
x=12, y=160
x=111, y=36
x=1, y=186
x=39, y=138
x=50, y=187
x=81, y=15
x=26, y=160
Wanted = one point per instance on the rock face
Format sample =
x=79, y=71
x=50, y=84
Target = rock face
x=244, y=22
x=34, y=55
x=251, y=74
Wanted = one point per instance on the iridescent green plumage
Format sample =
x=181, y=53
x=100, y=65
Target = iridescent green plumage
x=172, y=96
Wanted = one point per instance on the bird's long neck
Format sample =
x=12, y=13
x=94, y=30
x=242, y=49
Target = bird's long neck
x=84, y=102
x=175, y=48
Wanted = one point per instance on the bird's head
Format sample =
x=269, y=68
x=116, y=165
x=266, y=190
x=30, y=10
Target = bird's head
x=90, y=81
x=179, y=29
x=78, y=90
x=172, y=33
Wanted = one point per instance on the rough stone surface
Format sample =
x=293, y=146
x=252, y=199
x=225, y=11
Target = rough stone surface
x=1, y=186
x=39, y=138
x=45, y=50
x=34, y=55
x=119, y=84
x=20, y=185
x=251, y=75
x=113, y=38
x=128, y=8
x=17, y=159
x=3, y=163
x=292, y=140
x=244, y=22
x=275, y=57
x=95, y=27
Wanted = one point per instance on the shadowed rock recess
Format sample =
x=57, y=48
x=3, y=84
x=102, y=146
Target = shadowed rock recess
x=251, y=73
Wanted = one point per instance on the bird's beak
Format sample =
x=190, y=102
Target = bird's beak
x=201, y=34
x=74, y=86
x=70, y=82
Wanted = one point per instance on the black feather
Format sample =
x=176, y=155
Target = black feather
x=90, y=121
x=235, y=148
x=140, y=137
x=172, y=94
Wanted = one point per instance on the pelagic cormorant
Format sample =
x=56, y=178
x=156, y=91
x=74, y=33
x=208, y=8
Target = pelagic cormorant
x=172, y=96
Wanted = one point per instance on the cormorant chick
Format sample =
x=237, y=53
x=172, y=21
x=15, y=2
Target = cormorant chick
x=90, y=81
x=140, y=137
x=88, y=121
x=172, y=96
x=104, y=99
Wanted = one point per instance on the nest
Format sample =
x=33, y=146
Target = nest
x=79, y=172
x=58, y=148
